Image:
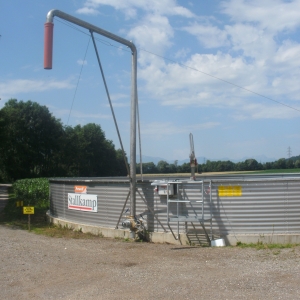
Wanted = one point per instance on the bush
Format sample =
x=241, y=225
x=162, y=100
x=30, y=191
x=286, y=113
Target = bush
x=33, y=192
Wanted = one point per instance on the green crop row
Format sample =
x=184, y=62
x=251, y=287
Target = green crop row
x=33, y=192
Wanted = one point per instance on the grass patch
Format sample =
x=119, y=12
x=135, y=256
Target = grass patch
x=13, y=216
x=58, y=231
x=261, y=245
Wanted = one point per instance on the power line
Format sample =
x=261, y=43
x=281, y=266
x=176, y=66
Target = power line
x=186, y=66
x=215, y=77
x=106, y=43
x=78, y=80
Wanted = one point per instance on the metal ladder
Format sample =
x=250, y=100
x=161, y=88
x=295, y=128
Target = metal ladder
x=201, y=218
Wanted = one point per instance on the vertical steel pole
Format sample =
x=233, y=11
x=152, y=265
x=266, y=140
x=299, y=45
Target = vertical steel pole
x=48, y=65
x=133, y=138
x=210, y=203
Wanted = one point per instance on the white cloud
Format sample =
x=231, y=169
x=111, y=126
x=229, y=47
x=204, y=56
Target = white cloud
x=12, y=88
x=81, y=62
x=153, y=32
x=115, y=97
x=166, y=79
x=273, y=15
x=175, y=85
x=88, y=11
x=287, y=85
x=79, y=115
x=264, y=111
x=288, y=55
x=251, y=40
x=129, y=7
x=182, y=11
x=169, y=128
x=210, y=36
x=255, y=58
x=182, y=53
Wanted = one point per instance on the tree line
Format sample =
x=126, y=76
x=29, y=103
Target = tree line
x=33, y=143
x=164, y=167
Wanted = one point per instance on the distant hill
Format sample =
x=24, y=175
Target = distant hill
x=201, y=159
x=147, y=159
x=294, y=158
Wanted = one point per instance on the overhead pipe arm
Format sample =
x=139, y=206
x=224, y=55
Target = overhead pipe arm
x=48, y=45
x=48, y=51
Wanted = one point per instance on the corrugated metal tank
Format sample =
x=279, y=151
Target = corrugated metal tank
x=266, y=204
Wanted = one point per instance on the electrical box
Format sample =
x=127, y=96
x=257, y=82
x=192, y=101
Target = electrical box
x=163, y=189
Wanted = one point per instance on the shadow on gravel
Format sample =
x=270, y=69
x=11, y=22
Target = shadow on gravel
x=184, y=248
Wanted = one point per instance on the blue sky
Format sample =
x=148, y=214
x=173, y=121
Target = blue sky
x=183, y=47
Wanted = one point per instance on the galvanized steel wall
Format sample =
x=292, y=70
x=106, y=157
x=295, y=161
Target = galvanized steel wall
x=266, y=205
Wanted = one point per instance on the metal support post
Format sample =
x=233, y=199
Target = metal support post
x=48, y=47
x=122, y=210
x=152, y=211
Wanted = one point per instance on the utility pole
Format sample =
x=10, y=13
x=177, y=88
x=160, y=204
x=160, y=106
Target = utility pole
x=193, y=160
x=289, y=152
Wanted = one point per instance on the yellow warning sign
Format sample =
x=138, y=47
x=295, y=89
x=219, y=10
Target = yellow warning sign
x=230, y=191
x=28, y=210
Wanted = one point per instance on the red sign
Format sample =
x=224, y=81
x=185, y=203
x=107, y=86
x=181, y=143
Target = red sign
x=80, y=189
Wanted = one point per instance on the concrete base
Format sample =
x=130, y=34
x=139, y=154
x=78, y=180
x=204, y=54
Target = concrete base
x=167, y=237
x=155, y=237
x=262, y=238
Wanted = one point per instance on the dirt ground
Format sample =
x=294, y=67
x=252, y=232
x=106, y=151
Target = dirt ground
x=41, y=267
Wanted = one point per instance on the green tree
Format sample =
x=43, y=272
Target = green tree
x=268, y=165
x=87, y=152
x=148, y=168
x=184, y=168
x=163, y=166
x=251, y=164
x=30, y=138
x=290, y=164
x=120, y=168
x=172, y=168
x=280, y=163
x=35, y=144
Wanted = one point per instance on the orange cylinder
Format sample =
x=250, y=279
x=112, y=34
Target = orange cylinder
x=48, y=45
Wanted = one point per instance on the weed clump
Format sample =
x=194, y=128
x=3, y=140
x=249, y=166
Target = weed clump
x=260, y=245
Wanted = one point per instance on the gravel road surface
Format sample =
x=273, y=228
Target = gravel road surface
x=41, y=267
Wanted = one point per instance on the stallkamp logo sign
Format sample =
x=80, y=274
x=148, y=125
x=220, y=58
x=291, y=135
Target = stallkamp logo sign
x=82, y=201
x=80, y=189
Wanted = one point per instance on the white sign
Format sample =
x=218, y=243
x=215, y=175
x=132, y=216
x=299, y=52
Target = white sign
x=83, y=202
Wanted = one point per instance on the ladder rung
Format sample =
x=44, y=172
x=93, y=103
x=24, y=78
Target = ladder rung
x=183, y=201
x=188, y=219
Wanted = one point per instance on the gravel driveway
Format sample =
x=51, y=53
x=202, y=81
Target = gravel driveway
x=41, y=267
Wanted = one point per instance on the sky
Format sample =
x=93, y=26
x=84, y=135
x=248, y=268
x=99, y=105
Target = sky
x=226, y=71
